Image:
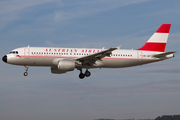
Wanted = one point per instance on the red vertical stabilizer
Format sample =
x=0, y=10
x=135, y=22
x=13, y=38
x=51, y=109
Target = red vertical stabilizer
x=158, y=40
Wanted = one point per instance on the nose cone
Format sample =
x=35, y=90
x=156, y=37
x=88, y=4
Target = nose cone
x=5, y=59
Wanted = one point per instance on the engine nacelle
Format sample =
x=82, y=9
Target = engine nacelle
x=63, y=66
x=66, y=65
x=55, y=70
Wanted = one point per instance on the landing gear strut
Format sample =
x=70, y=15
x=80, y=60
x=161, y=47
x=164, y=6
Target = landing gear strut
x=26, y=69
x=86, y=74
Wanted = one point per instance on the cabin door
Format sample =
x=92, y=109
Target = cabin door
x=26, y=52
x=140, y=56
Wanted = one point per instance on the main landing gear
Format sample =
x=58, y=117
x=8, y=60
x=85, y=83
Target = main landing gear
x=86, y=74
x=26, y=69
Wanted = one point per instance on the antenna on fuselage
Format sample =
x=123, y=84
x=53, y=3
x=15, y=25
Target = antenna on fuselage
x=28, y=46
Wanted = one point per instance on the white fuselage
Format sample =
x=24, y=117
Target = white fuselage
x=62, y=60
x=42, y=56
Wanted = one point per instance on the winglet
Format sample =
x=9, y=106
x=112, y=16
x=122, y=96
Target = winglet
x=118, y=47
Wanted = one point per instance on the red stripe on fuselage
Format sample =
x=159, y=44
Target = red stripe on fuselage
x=65, y=57
x=152, y=46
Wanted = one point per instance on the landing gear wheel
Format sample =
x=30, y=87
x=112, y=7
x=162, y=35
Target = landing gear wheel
x=26, y=69
x=87, y=73
x=81, y=75
x=25, y=74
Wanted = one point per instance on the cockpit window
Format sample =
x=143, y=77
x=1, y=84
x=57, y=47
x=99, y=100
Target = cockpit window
x=14, y=52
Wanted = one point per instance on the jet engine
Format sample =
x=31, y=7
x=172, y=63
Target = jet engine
x=63, y=66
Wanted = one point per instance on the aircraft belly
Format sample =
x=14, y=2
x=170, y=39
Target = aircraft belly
x=32, y=61
x=118, y=63
x=40, y=62
x=123, y=63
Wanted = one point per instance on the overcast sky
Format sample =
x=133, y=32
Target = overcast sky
x=146, y=91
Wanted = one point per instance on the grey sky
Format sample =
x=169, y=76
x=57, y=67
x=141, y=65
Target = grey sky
x=139, y=92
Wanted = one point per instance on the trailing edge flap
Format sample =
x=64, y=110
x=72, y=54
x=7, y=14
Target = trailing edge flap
x=163, y=54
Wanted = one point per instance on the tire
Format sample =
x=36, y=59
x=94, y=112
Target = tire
x=25, y=74
x=81, y=75
x=87, y=73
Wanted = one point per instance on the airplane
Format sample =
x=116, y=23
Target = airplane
x=62, y=60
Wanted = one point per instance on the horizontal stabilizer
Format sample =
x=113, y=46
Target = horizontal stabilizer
x=164, y=55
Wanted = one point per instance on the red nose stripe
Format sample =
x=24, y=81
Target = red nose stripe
x=18, y=56
x=164, y=28
x=150, y=46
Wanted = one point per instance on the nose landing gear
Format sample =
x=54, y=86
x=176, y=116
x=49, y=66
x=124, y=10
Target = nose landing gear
x=26, y=69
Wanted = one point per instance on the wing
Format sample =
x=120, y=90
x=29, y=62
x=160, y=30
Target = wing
x=91, y=59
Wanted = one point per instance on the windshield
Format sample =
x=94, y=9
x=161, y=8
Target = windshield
x=14, y=52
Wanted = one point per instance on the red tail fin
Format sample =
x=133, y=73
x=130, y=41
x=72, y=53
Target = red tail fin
x=158, y=40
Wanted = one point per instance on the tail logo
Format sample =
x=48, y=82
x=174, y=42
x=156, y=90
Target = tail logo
x=158, y=40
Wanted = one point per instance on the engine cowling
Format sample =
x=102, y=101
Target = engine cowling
x=66, y=65
x=63, y=66
x=55, y=70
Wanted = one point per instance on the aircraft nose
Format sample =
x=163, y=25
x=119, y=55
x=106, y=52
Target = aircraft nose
x=5, y=59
